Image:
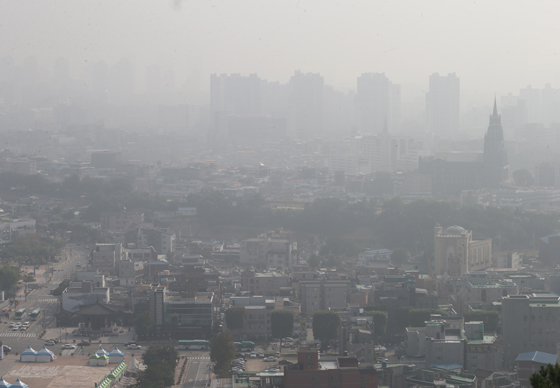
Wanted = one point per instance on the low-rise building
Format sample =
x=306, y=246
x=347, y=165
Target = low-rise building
x=264, y=283
x=12, y=228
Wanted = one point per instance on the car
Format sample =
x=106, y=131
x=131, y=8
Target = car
x=285, y=362
x=130, y=343
x=12, y=324
x=84, y=343
x=49, y=343
x=7, y=349
x=15, y=328
x=23, y=328
x=287, y=339
x=277, y=354
x=261, y=355
x=134, y=347
x=382, y=359
x=55, y=340
x=287, y=345
x=270, y=359
x=68, y=346
x=237, y=364
x=253, y=355
x=26, y=323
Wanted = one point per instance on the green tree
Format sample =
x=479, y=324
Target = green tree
x=222, y=351
x=325, y=326
x=144, y=323
x=235, y=317
x=281, y=324
x=547, y=377
x=338, y=246
x=61, y=287
x=9, y=276
x=489, y=317
x=161, y=361
x=399, y=256
x=379, y=322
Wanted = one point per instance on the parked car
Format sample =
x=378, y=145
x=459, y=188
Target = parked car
x=277, y=354
x=253, y=355
x=49, y=343
x=287, y=339
x=84, y=343
x=270, y=359
x=285, y=362
x=134, y=347
x=261, y=355
x=15, y=328
x=68, y=346
x=26, y=323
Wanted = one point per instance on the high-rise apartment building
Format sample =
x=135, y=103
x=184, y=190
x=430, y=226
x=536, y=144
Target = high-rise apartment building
x=378, y=103
x=235, y=94
x=443, y=105
x=305, y=105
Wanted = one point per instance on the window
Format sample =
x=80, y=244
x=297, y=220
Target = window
x=333, y=378
x=309, y=356
x=314, y=379
x=363, y=377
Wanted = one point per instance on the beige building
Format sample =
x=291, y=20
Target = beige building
x=456, y=253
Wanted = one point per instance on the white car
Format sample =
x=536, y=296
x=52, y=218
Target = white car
x=133, y=347
x=68, y=346
x=50, y=343
x=253, y=355
x=270, y=359
x=26, y=323
x=287, y=339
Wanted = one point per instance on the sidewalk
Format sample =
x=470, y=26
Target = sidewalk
x=183, y=363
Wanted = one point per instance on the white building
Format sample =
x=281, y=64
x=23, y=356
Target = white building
x=12, y=228
x=443, y=105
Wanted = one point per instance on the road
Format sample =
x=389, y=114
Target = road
x=197, y=369
x=40, y=298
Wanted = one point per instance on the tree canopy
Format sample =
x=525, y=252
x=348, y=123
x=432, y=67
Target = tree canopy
x=222, y=351
x=9, y=276
x=379, y=322
x=547, y=377
x=143, y=324
x=161, y=361
x=281, y=323
x=32, y=249
x=235, y=317
x=325, y=325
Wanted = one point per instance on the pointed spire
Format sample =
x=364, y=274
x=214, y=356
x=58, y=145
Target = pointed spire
x=495, y=108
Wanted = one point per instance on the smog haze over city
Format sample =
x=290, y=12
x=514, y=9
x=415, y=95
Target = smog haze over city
x=279, y=194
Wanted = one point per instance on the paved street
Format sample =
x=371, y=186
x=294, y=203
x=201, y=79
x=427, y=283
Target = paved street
x=40, y=298
x=197, y=369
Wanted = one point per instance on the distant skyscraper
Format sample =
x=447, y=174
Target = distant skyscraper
x=235, y=94
x=494, y=158
x=378, y=103
x=443, y=105
x=306, y=105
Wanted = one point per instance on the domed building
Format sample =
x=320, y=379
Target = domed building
x=456, y=253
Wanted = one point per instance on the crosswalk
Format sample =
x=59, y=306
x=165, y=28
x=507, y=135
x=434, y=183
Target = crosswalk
x=48, y=300
x=198, y=358
x=17, y=334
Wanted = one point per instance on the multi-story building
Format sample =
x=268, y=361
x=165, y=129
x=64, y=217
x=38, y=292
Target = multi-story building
x=266, y=252
x=105, y=257
x=443, y=105
x=310, y=372
x=257, y=317
x=12, y=228
x=378, y=103
x=457, y=254
x=547, y=174
x=196, y=313
x=529, y=323
x=323, y=295
x=305, y=110
x=264, y=283
x=82, y=293
x=161, y=239
x=121, y=222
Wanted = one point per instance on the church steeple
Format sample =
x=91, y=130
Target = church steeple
x=495, y=155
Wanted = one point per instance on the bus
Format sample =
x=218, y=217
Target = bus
x=35, y=314
x=20, y=313
x=244, y=346
x=194, y=344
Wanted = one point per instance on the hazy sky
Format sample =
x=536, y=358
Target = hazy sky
x=494, y=46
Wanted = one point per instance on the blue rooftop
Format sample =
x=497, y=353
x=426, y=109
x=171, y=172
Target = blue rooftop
x=539, y=357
